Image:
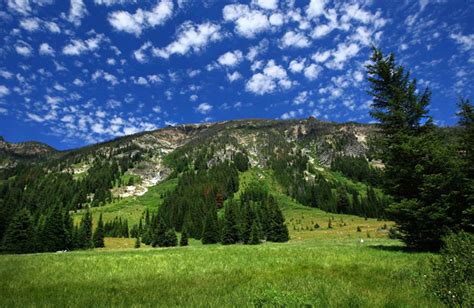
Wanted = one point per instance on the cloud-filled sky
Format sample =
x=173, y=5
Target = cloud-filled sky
x=75, y=72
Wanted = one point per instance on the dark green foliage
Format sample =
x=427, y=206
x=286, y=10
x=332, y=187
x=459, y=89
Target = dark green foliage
x=183, y=241
x=117, y=227
x=241, y=161
x=452, y=275
x=422, y=172
x=356, y=168
x=158, y=230
x=170, y=239
x=54, y=236
x=84, y=238
x=254, y=234
x=138, y=242
x=342, y=201
x=19, y=237
x=278, y=231
x=210, y=233
x=230, y=228
x=98, y=237
x=196, y=194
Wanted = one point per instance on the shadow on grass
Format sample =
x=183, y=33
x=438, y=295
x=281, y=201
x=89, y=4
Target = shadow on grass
x=397, y=248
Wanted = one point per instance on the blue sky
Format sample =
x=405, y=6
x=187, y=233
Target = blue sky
x=77, y=72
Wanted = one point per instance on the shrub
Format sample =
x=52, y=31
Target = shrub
x=452, y=275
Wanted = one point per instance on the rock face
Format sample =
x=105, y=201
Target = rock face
x=213, y=142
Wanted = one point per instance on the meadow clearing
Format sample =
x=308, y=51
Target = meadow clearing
x=351, y=264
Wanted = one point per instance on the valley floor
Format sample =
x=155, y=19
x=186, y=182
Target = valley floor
x=323, y=272
x=350, y=264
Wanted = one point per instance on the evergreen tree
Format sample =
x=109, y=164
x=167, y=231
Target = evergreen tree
x=85, y=232
x=210, y=234
x=19, y=235
x=137, y=242
x=54, y=236
x=278, y=229
x=421, y=173
x=343, y=205
x=184, y=238
x=254, y=235
x=230, y=229
x=170, y=238
x=98, y=237
x=159, y=233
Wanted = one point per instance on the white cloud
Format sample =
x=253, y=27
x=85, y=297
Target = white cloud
x=230, y=58
x=4, y=91
x=5, y=74
x=273, y=77
x=292, y=114
x=342, y=54
x=204, y=108
x=321, y=56
x=466, y=41
x=190, y=37
x=77, y=47
x=234, y=76
x=77, y=12
x=266, y=4
x=23, y=48
x=30, y=24
x=140, y=20
x=100, y=74
x=193, y=98
x=113, y=2
x=46, y=50
x=78, y=82
x=297, y=66
x=259, y=49
x=293, y=39
x=315, y=8
x=248, y=22
x=358, y=76
x=312, y=71
x=301, y=98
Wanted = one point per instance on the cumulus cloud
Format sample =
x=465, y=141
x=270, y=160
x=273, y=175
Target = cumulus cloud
x=204, y=108
x=291, y=114
x=266, y=4
x=312, y=71
x=46, y=50
x=248, y=22
x=142, y=19
x=234, y=76
x=24, y=6
x=100, y=74
x=33, y=24
x=77, y=11
x=23, y=48
x=315, y=8
x=230, y=58
x=294, y=39
x=4, y=91
x=297, y=66
x=269, y=80
x=77, y=47
x=190, y=37
x=465, y=41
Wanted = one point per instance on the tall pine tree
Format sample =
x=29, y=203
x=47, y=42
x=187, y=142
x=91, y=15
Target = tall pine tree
x=19, y=236
x=98, y=237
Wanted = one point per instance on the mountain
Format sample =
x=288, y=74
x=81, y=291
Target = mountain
x=319, y=164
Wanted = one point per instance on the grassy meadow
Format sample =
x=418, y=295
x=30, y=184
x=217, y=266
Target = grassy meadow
x=322, y=267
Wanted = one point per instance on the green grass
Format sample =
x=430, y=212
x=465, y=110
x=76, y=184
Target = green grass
x=325, y=267
x=318, y=272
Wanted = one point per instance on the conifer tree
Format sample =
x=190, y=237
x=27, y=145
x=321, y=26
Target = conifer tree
x=54, y=236
x=210, y=234
x=278, y=229
x=170, y=238
x=98, y=237
x=255, y=234
x=230, y=229
x=183, y=241
x=159, y=233
x=85, y=231
x=19, y=235
x=137, y=242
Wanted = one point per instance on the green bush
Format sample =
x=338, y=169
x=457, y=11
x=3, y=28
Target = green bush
x=452, y=276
